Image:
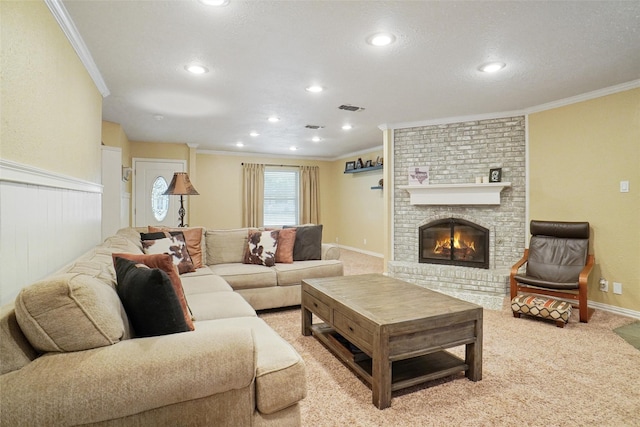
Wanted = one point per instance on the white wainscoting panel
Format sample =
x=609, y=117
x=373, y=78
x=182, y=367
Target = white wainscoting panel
x=42, y=228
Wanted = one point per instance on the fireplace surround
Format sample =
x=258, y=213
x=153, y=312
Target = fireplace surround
x=456, y=153
x=454, y=241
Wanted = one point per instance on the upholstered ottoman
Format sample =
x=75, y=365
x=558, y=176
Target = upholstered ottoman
x=546, y=308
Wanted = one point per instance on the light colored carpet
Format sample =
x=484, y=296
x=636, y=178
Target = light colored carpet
x=533, y=374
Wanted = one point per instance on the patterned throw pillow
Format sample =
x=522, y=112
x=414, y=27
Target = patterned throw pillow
x=175, y=245
x=262, y=246
x=193, y=237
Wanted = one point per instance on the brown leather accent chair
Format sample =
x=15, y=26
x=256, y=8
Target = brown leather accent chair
x=558, y=263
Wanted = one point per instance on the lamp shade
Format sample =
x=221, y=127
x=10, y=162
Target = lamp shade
x=180, y=185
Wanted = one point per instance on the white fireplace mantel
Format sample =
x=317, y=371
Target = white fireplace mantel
x=456, y=194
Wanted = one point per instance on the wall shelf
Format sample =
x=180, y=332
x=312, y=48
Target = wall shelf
x=456, y=194
x=359, y=170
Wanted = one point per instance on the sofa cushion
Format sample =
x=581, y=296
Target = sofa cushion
x=226, y=246
x=203, y=284
x=286, y=243
x=308, y=244
x=280, y=371
x=246, y=276
x=292, y=274
x=165, y=263
x=15, y=350
x=70, y=312
x=174, y=245
x=149, y=299
x=194, y=237
x=219, y=305
x=261, y=248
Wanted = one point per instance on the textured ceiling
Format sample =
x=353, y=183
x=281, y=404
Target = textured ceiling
x=262, y=54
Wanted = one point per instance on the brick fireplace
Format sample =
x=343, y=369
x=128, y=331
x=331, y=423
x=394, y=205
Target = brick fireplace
x=456, y=153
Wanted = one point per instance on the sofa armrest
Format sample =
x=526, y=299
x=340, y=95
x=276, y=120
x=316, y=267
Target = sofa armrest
x=330, y=251
x=128, y=378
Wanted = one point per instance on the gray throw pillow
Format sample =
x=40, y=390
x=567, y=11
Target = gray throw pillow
x=308, y=244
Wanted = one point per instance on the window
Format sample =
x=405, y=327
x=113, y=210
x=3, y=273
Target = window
x=159, y=202
x=281, y=196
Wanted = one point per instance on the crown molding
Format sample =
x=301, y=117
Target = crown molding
x=585, y=97
x=30, y=175
x=261, y=155
x=535, y=109
x=69, y=28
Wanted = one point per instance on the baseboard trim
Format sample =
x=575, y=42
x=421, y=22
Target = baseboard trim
x=614, y=309
x=362, y=251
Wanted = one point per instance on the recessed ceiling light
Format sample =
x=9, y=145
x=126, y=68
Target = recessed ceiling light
x=214, y=2
x=274, y=119
x=158, y=117
x=239, y=144
x=316, y=139
x=346, y=127
x=491, y=67
x=196, y=69
x=254, y=133
x=381, y=39
x=293, y=148
x=314, y=89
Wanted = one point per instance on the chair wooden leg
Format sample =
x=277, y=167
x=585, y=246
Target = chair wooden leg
x=516, y=314
x=560, y=323
x=584, y=312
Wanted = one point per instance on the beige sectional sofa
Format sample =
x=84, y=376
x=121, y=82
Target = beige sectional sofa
x=69, y=357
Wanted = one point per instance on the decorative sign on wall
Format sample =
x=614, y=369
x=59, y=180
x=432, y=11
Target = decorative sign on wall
x=418, y=175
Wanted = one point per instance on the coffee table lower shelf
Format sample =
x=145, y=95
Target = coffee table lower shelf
x=404, y=373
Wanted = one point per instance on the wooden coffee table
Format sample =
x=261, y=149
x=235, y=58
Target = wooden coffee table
x=401, y=329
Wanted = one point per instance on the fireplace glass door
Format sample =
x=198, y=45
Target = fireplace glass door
x=454, y=241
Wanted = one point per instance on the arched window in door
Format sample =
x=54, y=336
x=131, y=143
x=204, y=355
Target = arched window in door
x=159, y=202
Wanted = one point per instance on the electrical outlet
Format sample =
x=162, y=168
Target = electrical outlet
x=337, y=239
x=365, y=241
x=604, y=285
x=617, y=288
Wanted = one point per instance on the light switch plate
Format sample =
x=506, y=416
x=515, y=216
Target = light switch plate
x=624, y=186
x=617, y=288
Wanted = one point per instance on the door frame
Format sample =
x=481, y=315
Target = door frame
x=134, y=162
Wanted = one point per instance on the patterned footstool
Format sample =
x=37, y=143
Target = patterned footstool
x=546, y=308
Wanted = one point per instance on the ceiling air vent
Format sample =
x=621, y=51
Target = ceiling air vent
x=314, y=127
x=350, y=107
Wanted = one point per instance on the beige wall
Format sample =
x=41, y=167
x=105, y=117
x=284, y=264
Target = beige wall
x=159, y=150
x=359, y=210
x=578, y=156
x=219, y=181
x=51, y=109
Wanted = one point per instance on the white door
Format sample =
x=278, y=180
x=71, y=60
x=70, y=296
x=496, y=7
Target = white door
x=151, y=178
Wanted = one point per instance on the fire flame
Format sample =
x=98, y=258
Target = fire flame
x=458, y=243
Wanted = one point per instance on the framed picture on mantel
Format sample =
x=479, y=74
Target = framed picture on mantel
x=495, y=175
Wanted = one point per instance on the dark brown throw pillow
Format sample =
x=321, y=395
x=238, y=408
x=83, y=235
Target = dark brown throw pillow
x=261, y=248
x=174, y=245
x=308, y=245
x=149, y=299
x=165, y=263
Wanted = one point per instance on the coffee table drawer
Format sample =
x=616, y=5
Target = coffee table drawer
x=356, y=331
x=318, y=307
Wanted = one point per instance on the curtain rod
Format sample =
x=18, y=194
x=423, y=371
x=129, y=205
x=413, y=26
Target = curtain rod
x=274, y=165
